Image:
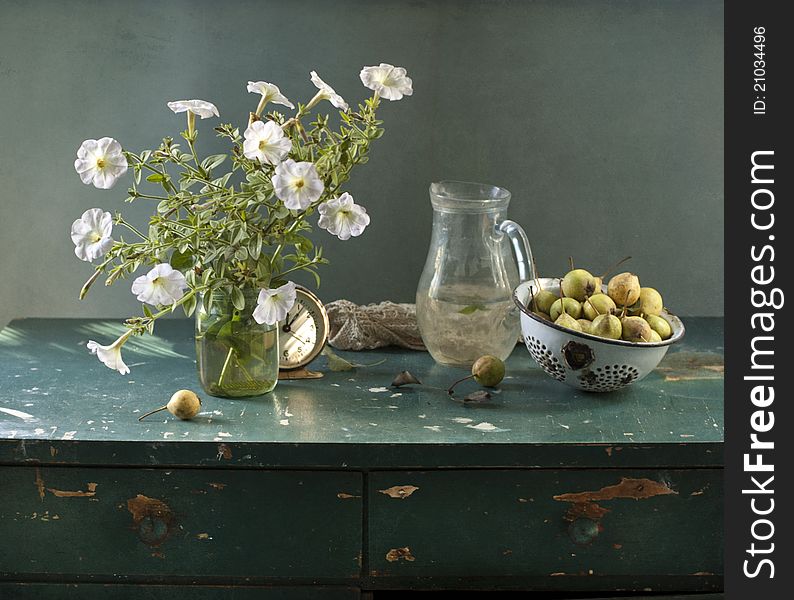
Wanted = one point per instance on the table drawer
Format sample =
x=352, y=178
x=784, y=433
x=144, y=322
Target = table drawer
x=553, y=524
x=155, y=524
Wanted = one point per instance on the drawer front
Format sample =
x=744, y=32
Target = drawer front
x=154, y=524
x=552, y=524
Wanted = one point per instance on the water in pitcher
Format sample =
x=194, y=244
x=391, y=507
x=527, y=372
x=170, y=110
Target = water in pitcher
x=467, y=325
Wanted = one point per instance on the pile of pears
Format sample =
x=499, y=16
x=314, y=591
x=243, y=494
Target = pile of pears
x=626, y=312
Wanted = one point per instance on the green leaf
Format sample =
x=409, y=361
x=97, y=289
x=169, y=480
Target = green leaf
x=147, y=311
x=238, y=300
x=213, y=161
x=156, y=178
x=472, y=308
x=189, y=305
x=206, y=301
x=181, y=260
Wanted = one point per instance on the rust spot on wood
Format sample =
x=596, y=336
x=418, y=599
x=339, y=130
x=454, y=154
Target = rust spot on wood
x=90, y=491
x=588, y=510
x=203, y=536
x=217, y=486
x=345, y=496
x=689, y=366
x=608, y=450
x=399, y=491
x=153, y=519
x=507, y=552
x=557, y=574
x=39, y=484
x=629, y=487
x=703, y=574
x=585, y=504
x=224, y=452
x=53, y=451
x=396, y=554
x=617, y=546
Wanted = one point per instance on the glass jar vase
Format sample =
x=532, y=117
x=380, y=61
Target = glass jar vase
x=235, y=356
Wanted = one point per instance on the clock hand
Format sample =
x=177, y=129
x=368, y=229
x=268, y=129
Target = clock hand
x=292, y=320
x=297, y=338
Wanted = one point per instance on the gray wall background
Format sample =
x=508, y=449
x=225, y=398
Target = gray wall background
x=604, y=118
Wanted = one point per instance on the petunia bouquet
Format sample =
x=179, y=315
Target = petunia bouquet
x=226, y=232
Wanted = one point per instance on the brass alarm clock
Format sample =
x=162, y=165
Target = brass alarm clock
x=302, y=335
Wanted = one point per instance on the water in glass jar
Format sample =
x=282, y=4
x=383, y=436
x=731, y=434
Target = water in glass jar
x=460, y=325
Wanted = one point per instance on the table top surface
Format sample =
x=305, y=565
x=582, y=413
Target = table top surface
x=60, y=404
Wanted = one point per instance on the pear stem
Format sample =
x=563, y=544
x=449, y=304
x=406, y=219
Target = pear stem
x=449, y=390
x=562, y=300
x=615, y=266
x=570, y=262
x=593, y=305
x=537, y=275
x=151, y=412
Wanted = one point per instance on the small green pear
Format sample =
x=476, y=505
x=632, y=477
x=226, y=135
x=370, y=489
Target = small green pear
x=572, y=308
x=655, y=337
x=543, y=301
x=624, y=289
x=578, y=284
x=184, y=404
x=542, y=315
x=607, y=326
x=598, y=304
x=650, y=302
x=660, y=325
x=488, y=370
x=635, y=329
x=566, y=320
x=587, y=326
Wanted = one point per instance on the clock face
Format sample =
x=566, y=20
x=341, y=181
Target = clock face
x=303, y=333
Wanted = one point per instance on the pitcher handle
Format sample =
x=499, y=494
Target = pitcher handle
x=518, y=239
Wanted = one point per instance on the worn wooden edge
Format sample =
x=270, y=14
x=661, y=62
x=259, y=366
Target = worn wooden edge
x=570, y=583
x=135, y=591
x=694, y=582
x=351, y=456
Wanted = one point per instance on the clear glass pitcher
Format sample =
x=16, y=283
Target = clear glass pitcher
x=464, y=302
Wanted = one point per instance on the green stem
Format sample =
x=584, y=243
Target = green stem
x=297, y=267
x=226, y=364
x=132, y=228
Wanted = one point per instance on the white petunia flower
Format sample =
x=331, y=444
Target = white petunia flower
x=387, y=81
x=269, y=93
x=162, y=285
x=342, y=217
x=272, y=306
x=326, y=93
x=201, y=108
x=100, y=162
x=266, y=142
x=91, y=234
x=297, y=184
x=111, y=355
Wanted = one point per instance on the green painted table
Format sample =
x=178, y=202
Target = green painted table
x=345, y=484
